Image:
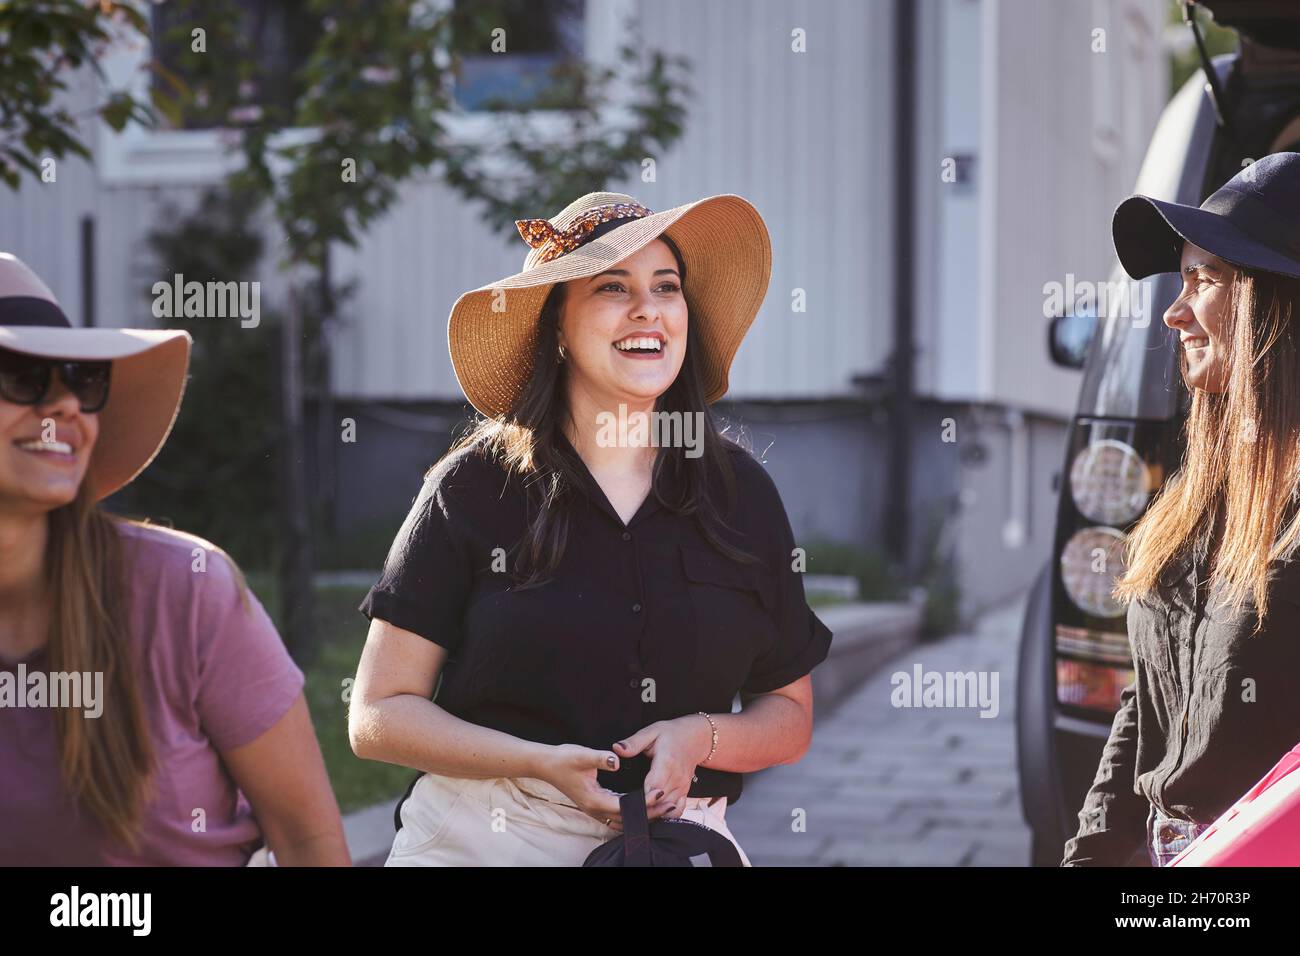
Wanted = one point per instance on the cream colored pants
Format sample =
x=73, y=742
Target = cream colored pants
x=510, y=821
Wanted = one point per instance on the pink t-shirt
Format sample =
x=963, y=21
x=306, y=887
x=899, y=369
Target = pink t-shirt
x=213, y=676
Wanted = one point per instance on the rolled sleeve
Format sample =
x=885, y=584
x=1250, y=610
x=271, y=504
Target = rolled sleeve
x=426, y=577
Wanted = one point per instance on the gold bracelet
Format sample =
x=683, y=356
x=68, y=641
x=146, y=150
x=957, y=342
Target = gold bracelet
x=694, y=777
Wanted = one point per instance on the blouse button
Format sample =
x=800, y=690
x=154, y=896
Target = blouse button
x=627, y=536
x=636, y=608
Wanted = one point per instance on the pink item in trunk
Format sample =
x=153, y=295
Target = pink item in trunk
x=1260, y=829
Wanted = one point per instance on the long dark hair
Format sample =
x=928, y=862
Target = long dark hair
x=525, y=442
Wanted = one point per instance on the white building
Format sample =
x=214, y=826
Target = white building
x=1041, y=108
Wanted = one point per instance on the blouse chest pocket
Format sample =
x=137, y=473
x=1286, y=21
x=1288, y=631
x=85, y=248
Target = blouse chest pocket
x=1226, y=638
x=1151, y=627
x=706, y=567
x=733, y=605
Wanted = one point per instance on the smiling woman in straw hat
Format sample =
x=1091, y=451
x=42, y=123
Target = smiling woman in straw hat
x=584, y=601
x=145, y=697
x=1212, y=578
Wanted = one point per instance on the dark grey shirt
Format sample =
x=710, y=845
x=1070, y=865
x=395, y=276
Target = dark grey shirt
x=1210, y=711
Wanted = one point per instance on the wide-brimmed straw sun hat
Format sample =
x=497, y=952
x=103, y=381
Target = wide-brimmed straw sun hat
x=148, y=373
x=1252, y=221
x=725, y=249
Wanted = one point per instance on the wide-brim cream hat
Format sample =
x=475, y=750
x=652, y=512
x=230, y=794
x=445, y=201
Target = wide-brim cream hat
x=725, y=248
x=147, y=382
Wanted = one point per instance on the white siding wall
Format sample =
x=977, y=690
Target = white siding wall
x=39, y=223
x=807, y=138
x=804, y=136
x=950, y=116
x=1062, y=135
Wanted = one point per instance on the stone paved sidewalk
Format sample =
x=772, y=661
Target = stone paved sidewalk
x=892, y=786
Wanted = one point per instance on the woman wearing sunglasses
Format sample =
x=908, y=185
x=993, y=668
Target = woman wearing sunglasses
x=149, y=713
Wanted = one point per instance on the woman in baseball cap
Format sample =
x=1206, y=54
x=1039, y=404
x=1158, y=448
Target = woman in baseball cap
x=149, y=713
x=1211, y=575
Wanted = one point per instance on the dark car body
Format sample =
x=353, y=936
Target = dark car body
x=1125, y=439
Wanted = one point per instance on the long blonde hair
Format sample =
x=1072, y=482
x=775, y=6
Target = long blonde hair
x=1241, y=468
x=107, y=761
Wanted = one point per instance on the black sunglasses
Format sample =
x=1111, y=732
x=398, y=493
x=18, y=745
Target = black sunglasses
x=25, y=379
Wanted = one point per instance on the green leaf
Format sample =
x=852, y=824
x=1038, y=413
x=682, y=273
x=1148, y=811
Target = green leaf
x=118, y=110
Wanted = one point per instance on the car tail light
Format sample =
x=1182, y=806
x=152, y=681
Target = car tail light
x=1113, y=467
x=1091, y=561
x=1092, y=667
x=1110, y=482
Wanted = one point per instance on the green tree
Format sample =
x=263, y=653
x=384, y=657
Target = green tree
x=42, y=43
x=217, y=474
x=216, y=471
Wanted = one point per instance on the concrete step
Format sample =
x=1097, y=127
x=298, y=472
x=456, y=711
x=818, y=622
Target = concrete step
x=866, y=636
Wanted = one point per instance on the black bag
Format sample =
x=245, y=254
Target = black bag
x=665, y=842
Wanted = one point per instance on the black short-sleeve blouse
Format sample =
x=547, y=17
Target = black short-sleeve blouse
x=641, y=622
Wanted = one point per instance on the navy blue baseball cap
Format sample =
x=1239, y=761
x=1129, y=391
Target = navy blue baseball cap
x=1252, y=221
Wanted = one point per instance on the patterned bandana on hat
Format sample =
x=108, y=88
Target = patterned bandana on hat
x=724, y=243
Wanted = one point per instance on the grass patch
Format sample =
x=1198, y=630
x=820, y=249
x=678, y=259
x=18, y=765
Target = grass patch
x=942, y=611
x=341, y=629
